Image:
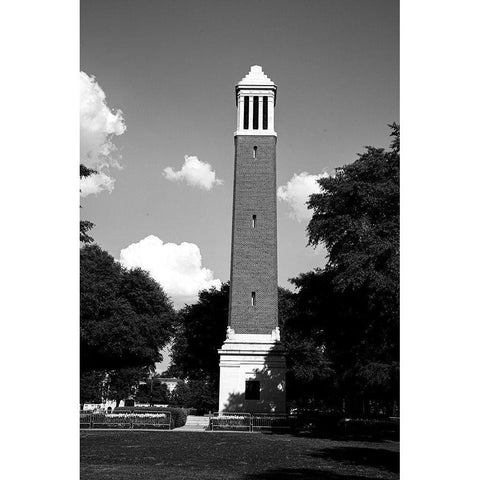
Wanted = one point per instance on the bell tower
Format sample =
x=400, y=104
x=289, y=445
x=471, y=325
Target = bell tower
x=252, y=360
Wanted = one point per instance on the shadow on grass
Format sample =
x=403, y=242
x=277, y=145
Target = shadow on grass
x=369, y=457
x=342, y=437
x=303, y=474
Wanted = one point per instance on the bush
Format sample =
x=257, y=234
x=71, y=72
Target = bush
x=334, y=424
x=318, y=422
x=230, y=422
x=178, y=415
x=200, y=395
x=383, y=428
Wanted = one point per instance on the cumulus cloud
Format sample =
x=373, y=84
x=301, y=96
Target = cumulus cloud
x=177, y=268
x=297, y=192
x=195, y=173
x=96, y=183
x=98, y=126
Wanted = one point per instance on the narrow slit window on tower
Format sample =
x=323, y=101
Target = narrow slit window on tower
x=254, y=299
x=246, y=106
x=254, y=221
x=255, y=113
x=255, y=152
x=265, y=113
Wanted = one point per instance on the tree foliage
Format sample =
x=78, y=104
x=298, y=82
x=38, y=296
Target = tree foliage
x=124, y=382
x=85, y=225
x=351, y=308
x=86, y=172
x=153, y=392
x=356, y=217
x=92, y=386
x=200, y=394
x=200, y=332
x=125, y=316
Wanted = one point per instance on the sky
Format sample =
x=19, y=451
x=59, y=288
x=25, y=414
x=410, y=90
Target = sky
x=158, y=116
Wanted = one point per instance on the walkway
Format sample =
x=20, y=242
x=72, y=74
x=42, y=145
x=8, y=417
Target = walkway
x=194, y=424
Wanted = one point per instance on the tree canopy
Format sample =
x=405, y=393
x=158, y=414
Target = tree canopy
x=125, y=316
x=152, y=392
x=200, y=332
x=356, y=217
x=86, y=225
x=123, y=383
x=199, y=394
x=351, y=308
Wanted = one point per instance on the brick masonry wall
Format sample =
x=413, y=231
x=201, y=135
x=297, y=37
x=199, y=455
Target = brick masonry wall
x=254, y=250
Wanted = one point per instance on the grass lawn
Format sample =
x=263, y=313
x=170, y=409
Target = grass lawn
x=124, y=455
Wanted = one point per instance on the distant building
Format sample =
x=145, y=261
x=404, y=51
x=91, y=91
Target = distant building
x=171, y=383
x=101, y=407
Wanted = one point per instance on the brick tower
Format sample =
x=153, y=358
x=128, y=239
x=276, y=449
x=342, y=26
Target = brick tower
x=252, y=360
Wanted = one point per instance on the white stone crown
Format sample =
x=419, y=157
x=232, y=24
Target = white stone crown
x=255, y=77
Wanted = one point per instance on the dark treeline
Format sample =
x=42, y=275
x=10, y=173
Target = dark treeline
x=125, y=320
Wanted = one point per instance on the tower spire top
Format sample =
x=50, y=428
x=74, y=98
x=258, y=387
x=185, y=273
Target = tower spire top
x=255, y=76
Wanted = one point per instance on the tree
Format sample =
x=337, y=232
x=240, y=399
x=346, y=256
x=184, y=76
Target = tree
x=92, y=386
x=355, y=299
x=85, y=225
x=201, y=331
x=125, y=316
x=356, y=216
x=124, y=382
x=153, y=392
x=199, y=394
x=310, y=375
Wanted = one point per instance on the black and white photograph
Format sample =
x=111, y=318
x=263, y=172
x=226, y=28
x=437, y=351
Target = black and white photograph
x=239, y=266
x=238, y=258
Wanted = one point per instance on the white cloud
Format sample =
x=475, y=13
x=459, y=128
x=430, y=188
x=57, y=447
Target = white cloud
x=98, y=125
x=195, y=172
x=177, y=268
x=297, y=192
x=96, y=183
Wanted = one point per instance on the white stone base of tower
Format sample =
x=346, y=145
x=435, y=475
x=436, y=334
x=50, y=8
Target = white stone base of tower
x=252, y=358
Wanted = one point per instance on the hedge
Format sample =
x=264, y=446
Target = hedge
x=331, y=423
x=179, y=415
x=381, y=428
